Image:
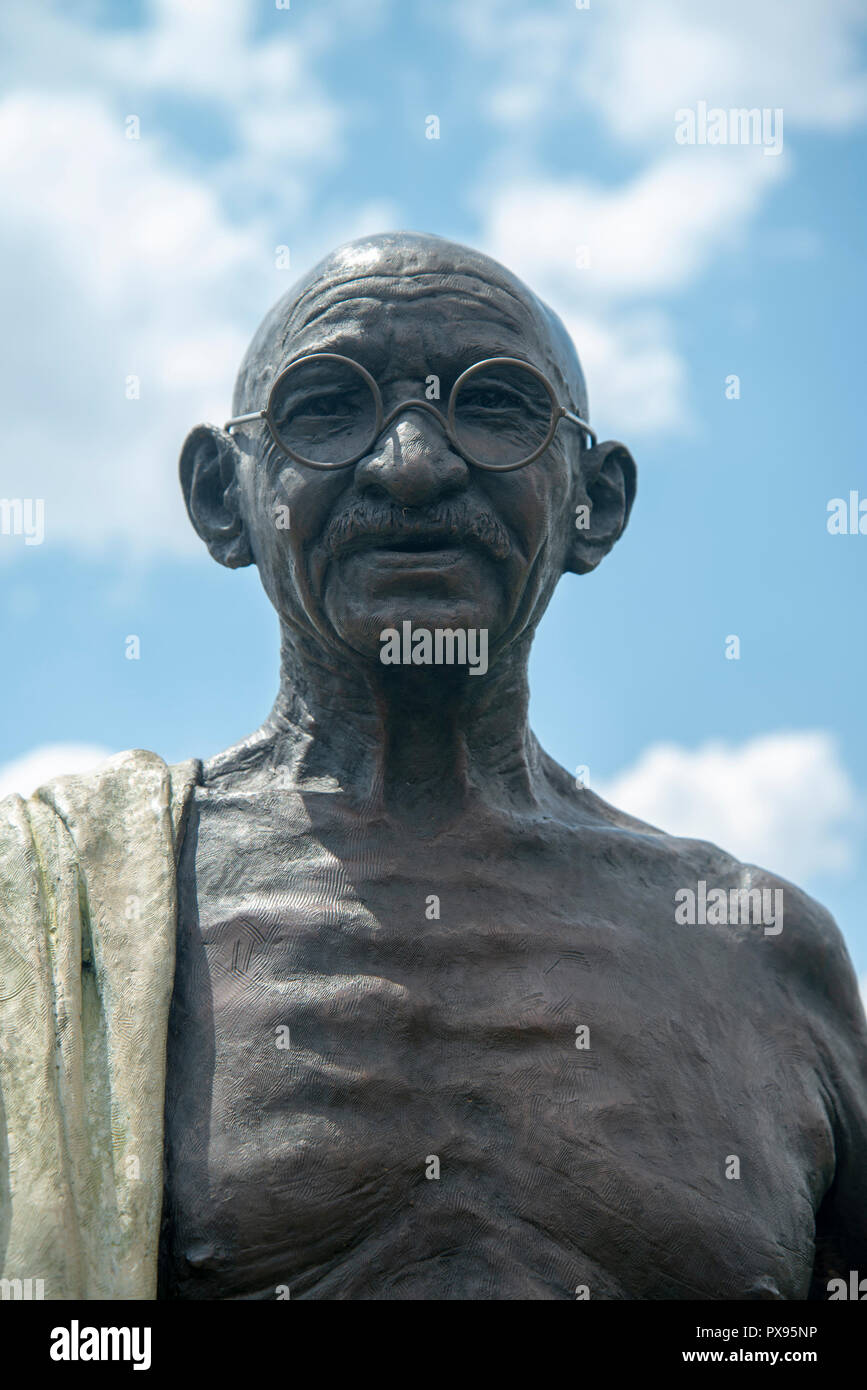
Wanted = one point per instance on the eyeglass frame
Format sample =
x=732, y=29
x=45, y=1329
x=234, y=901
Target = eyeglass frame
x=558, y=412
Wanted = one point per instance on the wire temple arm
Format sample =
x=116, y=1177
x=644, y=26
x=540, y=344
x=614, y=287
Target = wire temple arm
x=576, y=420
x=244, y=419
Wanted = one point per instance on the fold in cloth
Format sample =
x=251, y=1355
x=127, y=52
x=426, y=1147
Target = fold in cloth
x=88, y=923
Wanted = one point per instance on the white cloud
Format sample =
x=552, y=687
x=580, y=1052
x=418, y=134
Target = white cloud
x=651, y=235
x=634, y=65
x=636, y=376
x=630, y=68
x=256, y=82
x=129, y=260
x=644, y=239
x=286, y=130
x=784, y=801
x=125, y=267
x=793, y=54
x=32, y=770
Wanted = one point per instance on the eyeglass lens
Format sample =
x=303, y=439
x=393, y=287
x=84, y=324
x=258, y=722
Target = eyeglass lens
x=502, y=414
x=324, y=410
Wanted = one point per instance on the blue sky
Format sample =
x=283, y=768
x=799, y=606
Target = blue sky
x=302, y=127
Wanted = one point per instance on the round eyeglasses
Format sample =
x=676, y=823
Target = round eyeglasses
x=326, y=411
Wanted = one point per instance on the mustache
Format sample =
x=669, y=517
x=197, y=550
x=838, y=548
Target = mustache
x=454, y=522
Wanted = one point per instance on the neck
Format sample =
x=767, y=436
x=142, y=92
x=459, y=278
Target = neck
x=417, y=743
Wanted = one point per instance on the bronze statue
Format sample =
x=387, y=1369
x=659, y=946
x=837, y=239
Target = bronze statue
x=443, y=1024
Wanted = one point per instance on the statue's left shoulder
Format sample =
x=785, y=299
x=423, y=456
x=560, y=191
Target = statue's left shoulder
x=810, y=956
x=814, y=972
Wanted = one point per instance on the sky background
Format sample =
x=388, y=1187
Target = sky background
x=301, y=127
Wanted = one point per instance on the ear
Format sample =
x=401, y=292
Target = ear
x=209, y=479
x=608, y=474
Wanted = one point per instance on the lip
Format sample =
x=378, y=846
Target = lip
x=414, y=547
x=398, y=557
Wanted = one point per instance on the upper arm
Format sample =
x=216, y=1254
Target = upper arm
x=817, y=963
x=841, y=1224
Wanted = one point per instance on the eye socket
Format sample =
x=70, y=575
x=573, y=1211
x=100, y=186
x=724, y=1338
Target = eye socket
x=323, y=405
x=502, y=413
x=491, y=396
x=323, y=410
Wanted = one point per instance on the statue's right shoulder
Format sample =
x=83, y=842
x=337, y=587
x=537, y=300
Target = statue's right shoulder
x=113, y=799
x=88, y=922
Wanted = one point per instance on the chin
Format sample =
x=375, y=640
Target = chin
x=360, y=601
x=363, y=630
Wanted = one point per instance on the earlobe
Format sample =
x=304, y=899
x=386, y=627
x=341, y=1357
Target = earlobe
x=209, y=479
x=609, y=478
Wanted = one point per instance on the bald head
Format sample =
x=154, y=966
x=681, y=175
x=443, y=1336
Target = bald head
x=416, y=313
x=408, y=266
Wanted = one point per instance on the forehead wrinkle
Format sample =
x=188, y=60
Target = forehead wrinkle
x=486, y=329
x=325, y=295
x=517, y=307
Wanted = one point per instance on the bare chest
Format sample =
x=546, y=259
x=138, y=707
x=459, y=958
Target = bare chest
x=477, y=1069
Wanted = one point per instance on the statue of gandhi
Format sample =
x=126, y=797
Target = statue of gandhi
x=443, y=1024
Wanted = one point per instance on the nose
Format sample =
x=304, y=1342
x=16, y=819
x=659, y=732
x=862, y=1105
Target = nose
x=412, y=462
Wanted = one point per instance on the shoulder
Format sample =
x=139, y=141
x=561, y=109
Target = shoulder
x=801, y=945
x=116, y=798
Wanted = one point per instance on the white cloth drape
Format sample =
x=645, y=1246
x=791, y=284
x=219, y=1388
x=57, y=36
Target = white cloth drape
x=88, y=919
